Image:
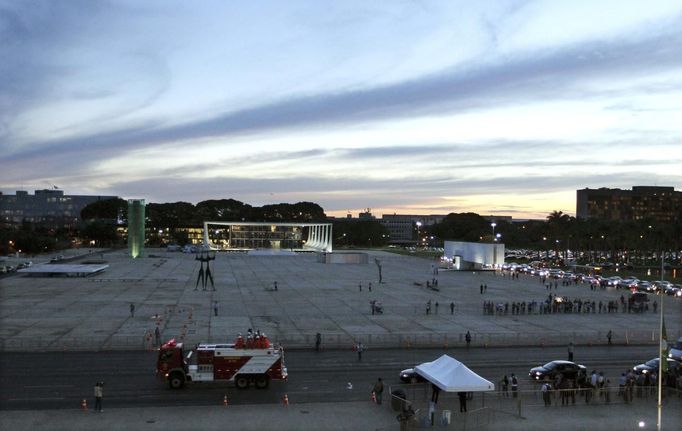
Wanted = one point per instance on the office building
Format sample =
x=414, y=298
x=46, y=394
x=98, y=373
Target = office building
x=49, y=208
x=662, y=204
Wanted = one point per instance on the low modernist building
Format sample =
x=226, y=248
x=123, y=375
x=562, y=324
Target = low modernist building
x=473, y=255
x=268, y=235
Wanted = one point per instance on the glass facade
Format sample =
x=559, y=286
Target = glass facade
x=136, y=223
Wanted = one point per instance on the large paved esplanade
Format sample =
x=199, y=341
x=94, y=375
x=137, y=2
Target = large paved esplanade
x=93, y=312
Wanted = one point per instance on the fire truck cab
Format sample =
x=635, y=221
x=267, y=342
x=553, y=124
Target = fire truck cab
x=220, y=363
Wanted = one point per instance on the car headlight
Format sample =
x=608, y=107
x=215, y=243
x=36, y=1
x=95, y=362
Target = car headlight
x=538, y=373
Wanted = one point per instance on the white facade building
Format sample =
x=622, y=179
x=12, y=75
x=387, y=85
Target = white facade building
x=473, y=255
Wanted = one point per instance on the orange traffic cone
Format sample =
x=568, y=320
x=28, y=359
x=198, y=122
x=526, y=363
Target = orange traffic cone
x=285, y=399
x=374, y=397
x=225, y=403
x=84, y=404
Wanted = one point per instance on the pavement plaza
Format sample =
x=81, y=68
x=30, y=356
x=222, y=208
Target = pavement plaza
x=38, y=313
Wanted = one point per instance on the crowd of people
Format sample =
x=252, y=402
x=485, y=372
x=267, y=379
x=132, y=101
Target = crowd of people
x=559, y=304
x=257, y=340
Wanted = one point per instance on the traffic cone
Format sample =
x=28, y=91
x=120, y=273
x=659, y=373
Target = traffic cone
x=225, y=403
x=84, y=404
x=374, y=397
x=285, y=399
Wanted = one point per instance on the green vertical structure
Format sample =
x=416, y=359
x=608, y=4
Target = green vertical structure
x=136, y=227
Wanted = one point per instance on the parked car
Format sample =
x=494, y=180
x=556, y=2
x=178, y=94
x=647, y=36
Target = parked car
x=409, y=375
x=550, y=370
x=652, y=365
x=676, y=350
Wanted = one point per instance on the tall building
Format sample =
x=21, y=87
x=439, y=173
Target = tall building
x=136, y=223
x=51, y=208
x=642, y=202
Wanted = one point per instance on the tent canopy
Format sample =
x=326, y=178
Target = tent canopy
x=450, y=375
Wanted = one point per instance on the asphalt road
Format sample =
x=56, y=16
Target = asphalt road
x=38, y=381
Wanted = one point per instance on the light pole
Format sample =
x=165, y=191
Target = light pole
x=493, y=224
x=419, y=225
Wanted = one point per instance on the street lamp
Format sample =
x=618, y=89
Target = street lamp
x=419, y=225
x=493, y=224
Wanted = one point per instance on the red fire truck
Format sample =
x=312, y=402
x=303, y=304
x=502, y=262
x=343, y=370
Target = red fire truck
x=220, y=363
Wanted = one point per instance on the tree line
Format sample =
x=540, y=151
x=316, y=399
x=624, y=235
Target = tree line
x=589, y=240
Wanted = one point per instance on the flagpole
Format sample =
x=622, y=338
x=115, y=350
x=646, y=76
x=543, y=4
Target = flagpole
x=661, y=358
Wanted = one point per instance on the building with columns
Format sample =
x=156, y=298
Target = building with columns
x=222, y=235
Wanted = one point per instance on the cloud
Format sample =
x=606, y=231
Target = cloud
x=534, y=76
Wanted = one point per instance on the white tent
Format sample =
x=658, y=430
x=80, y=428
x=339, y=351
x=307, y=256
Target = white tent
x=451, y=375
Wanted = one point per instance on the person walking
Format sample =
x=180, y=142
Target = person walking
x=514, y=386
x=462, y=401
x=570, y=351
x=360, y=349
x=608, y=336
x=157, y=336
x=436, y=307
x=99, y=391
x=452, y=308
x=370, y=286
x=378, y=390
x=215, y=308
x=318, y=341
x=275, y=286
x=467, y=337
x=132, y=310
x=360, y=287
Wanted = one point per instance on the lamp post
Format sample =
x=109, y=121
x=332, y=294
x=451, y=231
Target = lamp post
x=419, y=225
x=493, y=224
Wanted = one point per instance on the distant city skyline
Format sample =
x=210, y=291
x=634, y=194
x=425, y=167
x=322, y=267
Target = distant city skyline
x=493, y=107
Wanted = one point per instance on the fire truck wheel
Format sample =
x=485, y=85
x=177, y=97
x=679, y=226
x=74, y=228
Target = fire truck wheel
x=242, y=382
x=176, y=381
x=262, y=382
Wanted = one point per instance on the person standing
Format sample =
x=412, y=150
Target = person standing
x=436, y=307
x=361, y=349
x=504, y=383
x=275, y=285
x=452, y=308
x=462, y=401
x=318, y=341
x=546, y=395
x=157, y=336
x=370, y=286
x=608, y=336
x=467, y=337
x=360, y=287
x=378, y=390
x=215, y=308
x=99, y=391
x=132, y=310
x=570, y=351
x=515, y=386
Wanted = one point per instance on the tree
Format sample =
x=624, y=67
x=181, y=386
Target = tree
x=109, y=209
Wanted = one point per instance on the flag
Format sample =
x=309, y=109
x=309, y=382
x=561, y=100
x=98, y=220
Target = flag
x=664, y=348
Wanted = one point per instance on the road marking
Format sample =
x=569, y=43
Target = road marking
x=48, y=386
x=36, y=399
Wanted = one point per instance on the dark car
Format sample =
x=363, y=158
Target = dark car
x=652, y=365
x=409, y=375
x=550, y=370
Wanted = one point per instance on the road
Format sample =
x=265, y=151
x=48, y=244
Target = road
x=38, y=381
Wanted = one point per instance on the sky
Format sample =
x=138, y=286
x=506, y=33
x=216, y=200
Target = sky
x=408, y=107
